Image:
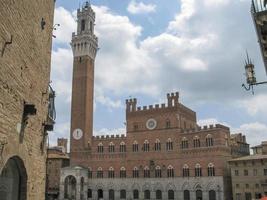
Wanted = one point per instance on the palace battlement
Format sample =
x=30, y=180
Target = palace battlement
x=173, y=101
x=205, y=128
x=108, y=137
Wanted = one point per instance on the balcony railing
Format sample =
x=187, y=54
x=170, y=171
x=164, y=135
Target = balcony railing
x=51, y=104
x=258, y=6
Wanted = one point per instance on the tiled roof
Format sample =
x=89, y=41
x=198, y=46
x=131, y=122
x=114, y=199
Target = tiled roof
x=251, y=157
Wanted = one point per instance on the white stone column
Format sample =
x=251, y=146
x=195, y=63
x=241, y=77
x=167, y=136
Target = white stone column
x=164, y=194
x=105, y=194
x=193, y=195
x=78, y=190
x=94, y=194
x=179, y=194
x=205, y=195
x=117, y=194
x=152, y=195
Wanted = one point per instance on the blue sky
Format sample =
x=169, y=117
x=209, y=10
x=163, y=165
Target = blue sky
x=150, y=48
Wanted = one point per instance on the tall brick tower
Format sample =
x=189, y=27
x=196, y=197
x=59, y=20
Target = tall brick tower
x=84, y=46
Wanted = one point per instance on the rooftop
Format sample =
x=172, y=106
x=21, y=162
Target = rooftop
x=251, y=157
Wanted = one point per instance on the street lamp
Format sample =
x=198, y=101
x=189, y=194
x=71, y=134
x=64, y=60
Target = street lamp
x=250, y=74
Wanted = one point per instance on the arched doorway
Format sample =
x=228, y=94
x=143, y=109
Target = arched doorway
x=186, y=195
x=13, y=180
x=70, y=187
x=100, y=194
x=199, y=195
x=158, y=194
x=111, y=194
x=212, y=195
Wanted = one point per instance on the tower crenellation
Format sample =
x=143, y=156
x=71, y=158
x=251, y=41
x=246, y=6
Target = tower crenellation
x=84, y=41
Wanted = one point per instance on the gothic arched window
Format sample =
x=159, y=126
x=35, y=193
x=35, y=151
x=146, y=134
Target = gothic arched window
x=157, y=145
x=135, y=146
x=169, y=145
x=209, y=140
x=146, y=146
x=198, y=170
x=170, y=171
x=158, y=172
x=211, y=170
x=196, y=142
x=186, y=171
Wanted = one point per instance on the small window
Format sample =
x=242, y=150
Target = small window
x=245, y=172
x=122, y=172
x=265, y=172
x=89, y=193
x=123, y=194
x=146, y=172
x=168, y=124
x=236, y=172
x=170, y=171
x=135, y=173
x=136, y=194
x=198, y=171
x=83, y=25
x=158, y=172
x=186, y=171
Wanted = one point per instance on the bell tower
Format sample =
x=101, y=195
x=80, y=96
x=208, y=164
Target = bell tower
x=84, y=46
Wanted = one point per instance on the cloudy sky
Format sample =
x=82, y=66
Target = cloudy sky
x=150, y=47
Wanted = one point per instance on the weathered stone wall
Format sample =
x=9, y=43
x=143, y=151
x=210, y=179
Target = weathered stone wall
x=24, y=77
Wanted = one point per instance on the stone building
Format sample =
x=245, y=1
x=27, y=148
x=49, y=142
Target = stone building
x=26, y=101
x=163, y=155
x=57, y=158
x=249, y=174
x=259, y=16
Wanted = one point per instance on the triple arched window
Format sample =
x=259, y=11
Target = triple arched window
x=170, y=171
x=122, y=172
x=146, y=146
x=209, y=140
x=184, y=144
x=122, y=147
x=99, y=173
x=111, y=172
x=146, y=172
x=158, y=172
x=135, y=146
x=100, y=148
x=186, y=172
x=157, y=145
x=111, y=147
x=135, y=172
x=196, y=142
x=211, y=170
x=198, y=170
x=169, y=145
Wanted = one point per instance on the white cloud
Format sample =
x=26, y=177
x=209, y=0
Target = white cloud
x=60, y=130
x=140, y=7
x=210, y=121
x=255, y=105
x=67, y=25
x=105, y=100
x=255, y=132
x=105, y=131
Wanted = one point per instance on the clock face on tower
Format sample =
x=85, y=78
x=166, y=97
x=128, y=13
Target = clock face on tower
x=151, y=124
x=77, y=134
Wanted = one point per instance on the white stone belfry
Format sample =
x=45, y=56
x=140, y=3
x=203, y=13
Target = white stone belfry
x=84, y=42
